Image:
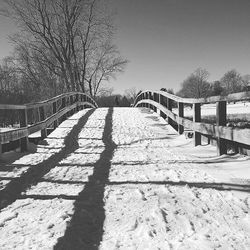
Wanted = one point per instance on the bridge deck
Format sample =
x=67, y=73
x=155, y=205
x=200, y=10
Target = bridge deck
x=121, y=179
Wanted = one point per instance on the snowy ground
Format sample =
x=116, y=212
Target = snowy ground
x=123, y=179
x=240, y=110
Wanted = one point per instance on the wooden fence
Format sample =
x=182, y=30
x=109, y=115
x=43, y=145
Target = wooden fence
x=223, y=134
x=34, y=117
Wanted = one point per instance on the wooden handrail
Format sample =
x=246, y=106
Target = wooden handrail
x=42, y=103
x=163, y=102
x=69, y=103
x=212, y=99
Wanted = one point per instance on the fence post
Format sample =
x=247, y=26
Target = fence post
x=197, y=118
x=71, y=101
x=77, y=102
x=42, y=118
x=162, y=102
x=54, y=112
x=64, y=117
x=169, y=106
x=23, y=118
x=180, y=114
x=221, y=120
x=155, y=99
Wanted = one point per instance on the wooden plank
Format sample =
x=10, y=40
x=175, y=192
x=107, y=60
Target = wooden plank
x=197, y=118
x=10, y=106
x=43, y=103
x=180, y=114
x=169, y=107
x=213, y=99
x=42, y=118
x=23, y=119
x=55, y=124
x=17, y=134
x=228, y=133
x=221, y=120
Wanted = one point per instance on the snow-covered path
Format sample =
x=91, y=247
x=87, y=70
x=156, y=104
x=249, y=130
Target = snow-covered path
x=119, y=179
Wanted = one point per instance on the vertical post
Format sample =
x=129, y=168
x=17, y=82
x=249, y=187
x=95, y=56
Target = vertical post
x=23, y=118
x=42, y=118
x=169, y=106
x=162, y=102
x=221, y=120
x=54, y=112
x=155, y=99
x=77, y=101
x=71, y=102
x=197, y=118
x=64, y=117
x=180, y=114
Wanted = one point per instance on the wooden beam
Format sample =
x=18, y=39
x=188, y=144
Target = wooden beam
x=197, y=118
x=213, y=99
x=42, y=118
x=180, y=114
x=55, y=124
x=169, y=107
x=221, y=120
x=23, y=119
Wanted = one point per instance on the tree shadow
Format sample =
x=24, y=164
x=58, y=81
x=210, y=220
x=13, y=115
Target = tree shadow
x=15, y=187
x=85, y=230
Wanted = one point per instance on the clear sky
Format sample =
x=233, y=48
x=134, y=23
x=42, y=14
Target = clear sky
x=166, y=40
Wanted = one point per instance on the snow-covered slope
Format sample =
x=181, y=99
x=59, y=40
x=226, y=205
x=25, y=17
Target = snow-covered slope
x=123, y=179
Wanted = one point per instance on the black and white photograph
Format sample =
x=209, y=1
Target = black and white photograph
x=125, y=124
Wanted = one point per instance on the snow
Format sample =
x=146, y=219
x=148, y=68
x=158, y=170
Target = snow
x=240, y=108
x=161, y=192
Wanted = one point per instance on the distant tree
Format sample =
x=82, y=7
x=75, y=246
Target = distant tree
x=246, y=82
x=170, y=90
x=232, y=82
x=131, y=94
x=196, y=85
x=70, y=39
x=217, y=89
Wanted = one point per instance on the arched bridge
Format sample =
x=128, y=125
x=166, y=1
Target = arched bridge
x=123, y=178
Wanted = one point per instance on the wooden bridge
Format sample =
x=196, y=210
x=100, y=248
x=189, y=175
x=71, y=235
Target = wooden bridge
x=123, y=178
x=34, y=117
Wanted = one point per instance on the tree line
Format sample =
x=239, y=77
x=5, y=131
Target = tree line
x=196, y=85
x=61, y=46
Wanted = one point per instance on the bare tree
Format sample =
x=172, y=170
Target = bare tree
x=232, y=82
x=196, y=85
x=72, y=39
x=131, y=94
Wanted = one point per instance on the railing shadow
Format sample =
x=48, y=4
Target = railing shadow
x=86, y=226
x=15, y=187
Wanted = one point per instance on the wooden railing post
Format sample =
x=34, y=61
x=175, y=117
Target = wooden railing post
x=23, y=123
x=169, y=106
x=77, y=101
x=154, y=99
x=63, y=105
x=180, y=114
x=1, y=150
x=197, y=118
x=54, y=112
x=147, y=97
x=221, y=120
x=42, y=118
x=162, y=102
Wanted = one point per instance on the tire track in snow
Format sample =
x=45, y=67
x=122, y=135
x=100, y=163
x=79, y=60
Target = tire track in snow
x=13, y=189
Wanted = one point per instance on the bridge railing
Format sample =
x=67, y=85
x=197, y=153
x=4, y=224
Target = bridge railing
x=39, y=116
x=223, y=134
